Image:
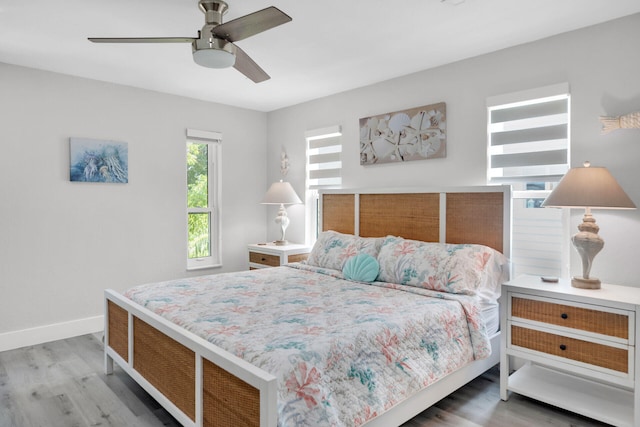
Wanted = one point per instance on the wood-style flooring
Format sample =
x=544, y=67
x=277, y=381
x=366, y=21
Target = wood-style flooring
x=62, y=384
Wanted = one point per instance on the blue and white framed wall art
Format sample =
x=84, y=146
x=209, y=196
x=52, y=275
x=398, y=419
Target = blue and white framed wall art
x=95, y=160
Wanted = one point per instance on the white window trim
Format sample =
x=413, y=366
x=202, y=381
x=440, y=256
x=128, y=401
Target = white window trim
x=214, y=141
x=516, y=98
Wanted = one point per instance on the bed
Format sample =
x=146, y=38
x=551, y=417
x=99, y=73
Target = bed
x=198, y=365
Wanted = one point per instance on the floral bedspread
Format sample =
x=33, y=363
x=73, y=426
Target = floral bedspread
x=343, y=352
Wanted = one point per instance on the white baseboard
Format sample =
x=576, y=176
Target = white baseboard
x=47, y=333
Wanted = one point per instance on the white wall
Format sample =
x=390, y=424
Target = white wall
x=62, y=243
x=603, y=71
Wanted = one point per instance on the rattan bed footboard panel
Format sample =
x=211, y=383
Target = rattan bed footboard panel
x=118, y=330
x=168, y=365
x=227, y=400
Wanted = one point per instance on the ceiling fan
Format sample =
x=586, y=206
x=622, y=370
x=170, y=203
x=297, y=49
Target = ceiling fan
x=214, y=47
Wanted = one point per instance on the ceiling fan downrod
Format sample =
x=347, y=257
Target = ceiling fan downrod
x=213, y=11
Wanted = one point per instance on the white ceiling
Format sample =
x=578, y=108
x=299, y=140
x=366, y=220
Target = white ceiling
x=329, y=47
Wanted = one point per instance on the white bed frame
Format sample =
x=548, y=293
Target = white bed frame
x=265, y=383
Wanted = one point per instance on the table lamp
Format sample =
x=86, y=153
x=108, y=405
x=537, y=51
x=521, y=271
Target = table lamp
x=589, y=188
x=281, y=193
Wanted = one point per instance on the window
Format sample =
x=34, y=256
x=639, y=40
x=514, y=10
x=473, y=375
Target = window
x=528, y=147
x=203, y=199
x=324, y=170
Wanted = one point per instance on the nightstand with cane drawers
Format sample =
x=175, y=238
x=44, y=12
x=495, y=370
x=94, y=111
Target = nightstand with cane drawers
x=578, y=346
x=271, y=255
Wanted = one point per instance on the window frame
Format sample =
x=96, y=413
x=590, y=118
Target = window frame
x=544, y=224
x=311, y=186
x=213, y=140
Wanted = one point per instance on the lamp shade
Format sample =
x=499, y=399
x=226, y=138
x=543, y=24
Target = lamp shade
x=589, y=187
x=281, y=193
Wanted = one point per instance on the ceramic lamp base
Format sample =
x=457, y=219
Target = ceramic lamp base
x=281, y=242
x=581, y=282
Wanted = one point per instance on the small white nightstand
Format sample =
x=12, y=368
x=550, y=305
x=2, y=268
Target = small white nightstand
x=270, y=255
x=578, y=345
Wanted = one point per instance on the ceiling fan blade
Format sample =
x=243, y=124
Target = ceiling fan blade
x=252, y=24
x=141, y=39
x=248, y=67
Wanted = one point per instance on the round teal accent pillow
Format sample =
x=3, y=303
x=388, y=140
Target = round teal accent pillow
x=362, y=268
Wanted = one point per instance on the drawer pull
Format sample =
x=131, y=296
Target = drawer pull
x=564, y=315
x=263, y=259
x=563, y=347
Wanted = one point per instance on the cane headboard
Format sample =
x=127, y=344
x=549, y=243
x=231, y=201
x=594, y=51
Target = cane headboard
x=479, y=215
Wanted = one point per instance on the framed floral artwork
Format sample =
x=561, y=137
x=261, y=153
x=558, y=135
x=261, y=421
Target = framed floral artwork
x=415, y=134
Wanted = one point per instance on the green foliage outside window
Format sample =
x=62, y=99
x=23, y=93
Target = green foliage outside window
x=198, y=197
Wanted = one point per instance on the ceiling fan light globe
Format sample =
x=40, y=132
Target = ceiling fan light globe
x=214, y=58
x=212, y=52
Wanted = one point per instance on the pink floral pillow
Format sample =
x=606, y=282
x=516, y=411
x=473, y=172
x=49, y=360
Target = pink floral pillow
x=333, y=249
x=459, y=269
